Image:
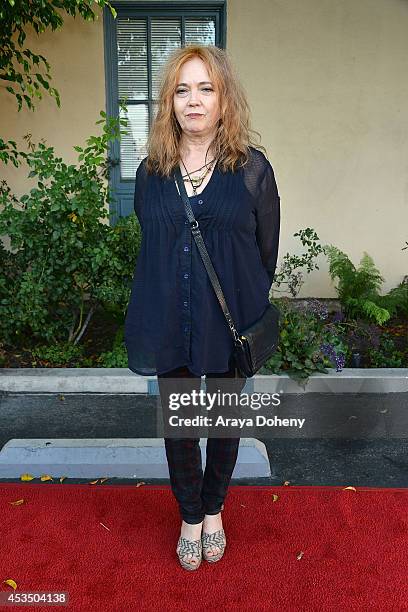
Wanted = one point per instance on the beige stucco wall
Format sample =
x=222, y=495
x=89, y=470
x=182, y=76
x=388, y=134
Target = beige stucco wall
x=327, y=86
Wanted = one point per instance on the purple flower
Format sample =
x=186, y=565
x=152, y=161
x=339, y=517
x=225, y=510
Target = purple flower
x=327, y=349
x=340, y=361
x=318, y=309
x=337, y=359
x=337, y=317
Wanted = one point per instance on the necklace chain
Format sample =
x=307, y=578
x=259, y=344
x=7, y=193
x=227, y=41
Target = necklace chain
x=197, y=181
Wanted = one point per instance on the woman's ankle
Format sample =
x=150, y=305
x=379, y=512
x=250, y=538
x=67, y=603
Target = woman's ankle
x=184, y=522
x=191, y=531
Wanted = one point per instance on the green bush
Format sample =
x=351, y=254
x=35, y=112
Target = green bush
x=117, y=357
x=386, y=355
x=307, y=344
x=358, y=288
x=396, y=300
x=58, y=354
x=64, y=260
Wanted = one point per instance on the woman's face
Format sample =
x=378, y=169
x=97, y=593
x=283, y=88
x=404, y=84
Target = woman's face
x=195, y=94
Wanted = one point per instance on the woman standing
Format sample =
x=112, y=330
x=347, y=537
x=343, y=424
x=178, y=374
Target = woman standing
x=175, y=327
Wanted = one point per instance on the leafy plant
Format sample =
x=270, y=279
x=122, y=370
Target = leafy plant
x=21, y=70
x=386, y=355
x=64, y=259
x=306, y=344
x=357, y=288
x=57, y=354
x=9, y=152
x=117, y=357
x=287, y=274
x=396, y=300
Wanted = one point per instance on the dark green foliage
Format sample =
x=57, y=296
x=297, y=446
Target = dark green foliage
x=24, y=74
x=303, y=335
x=358, y=288
x=65, y=260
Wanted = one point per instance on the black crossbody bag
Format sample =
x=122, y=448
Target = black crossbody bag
x=256, y=344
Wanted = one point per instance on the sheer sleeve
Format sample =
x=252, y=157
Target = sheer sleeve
x=140, y=186
x=268, y=220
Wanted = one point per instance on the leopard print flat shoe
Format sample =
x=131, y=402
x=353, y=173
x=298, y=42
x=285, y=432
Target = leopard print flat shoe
x=186, y=547
x=217, y=539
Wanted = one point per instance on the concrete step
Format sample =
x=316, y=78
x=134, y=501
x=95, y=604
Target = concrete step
x=116, y=458
x=122, y=380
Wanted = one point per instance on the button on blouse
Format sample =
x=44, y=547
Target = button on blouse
x=174, y=318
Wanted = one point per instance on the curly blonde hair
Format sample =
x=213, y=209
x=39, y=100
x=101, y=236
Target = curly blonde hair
x=233, y=136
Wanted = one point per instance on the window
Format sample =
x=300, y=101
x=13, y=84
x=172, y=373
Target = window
x=137, y=44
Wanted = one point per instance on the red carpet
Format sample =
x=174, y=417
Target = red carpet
x=354, y=546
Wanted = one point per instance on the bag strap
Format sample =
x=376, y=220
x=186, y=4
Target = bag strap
x=195, y=230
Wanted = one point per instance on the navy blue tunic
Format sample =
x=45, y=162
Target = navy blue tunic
x=174, y=318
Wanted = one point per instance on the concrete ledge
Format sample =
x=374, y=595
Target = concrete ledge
x=123, y=381
x=112, y=458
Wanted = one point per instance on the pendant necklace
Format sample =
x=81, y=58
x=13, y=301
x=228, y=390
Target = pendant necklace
x=197, y=181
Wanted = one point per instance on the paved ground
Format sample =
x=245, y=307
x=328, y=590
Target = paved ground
x=49, y=419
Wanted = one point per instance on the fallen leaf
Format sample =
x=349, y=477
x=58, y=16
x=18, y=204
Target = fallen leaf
x=11, y=583
x=45, y=477
x=349, y=488
x=62, y=478
x=275, y=497
x=61, y=397
x=285, y=484
x=94, y=481
x=26, y=477
x=17, y=503
x=300, y=555
x=138, y=484
x=104, y=526
x=103, y=479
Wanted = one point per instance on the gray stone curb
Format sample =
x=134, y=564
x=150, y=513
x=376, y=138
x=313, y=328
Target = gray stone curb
x=123, y=381
x=113, y=458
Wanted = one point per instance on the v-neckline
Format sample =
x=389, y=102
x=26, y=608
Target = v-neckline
x=207, y=185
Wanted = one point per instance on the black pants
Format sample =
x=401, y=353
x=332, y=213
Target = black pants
x=196, y=493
